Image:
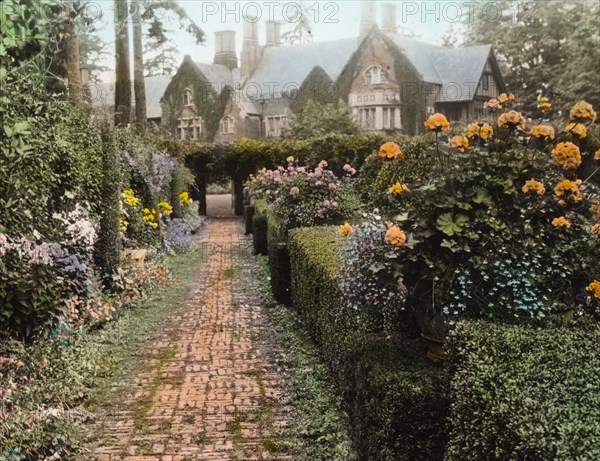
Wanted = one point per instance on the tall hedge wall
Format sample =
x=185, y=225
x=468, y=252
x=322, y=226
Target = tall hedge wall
x=396, y=400
x=524, y=392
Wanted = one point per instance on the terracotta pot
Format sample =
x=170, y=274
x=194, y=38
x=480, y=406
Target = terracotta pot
x=435, y=348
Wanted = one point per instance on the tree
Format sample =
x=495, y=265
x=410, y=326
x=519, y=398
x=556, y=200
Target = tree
x=318, y=119
x=138, y=67
x=122, y=71
x=72, y=53
x=302, y=30
x=553, y=45
x=450, y=38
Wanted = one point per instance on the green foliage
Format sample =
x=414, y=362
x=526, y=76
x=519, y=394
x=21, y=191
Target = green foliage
x=108, y=248
x=540, y=46
x=318, y=119
x=259, y=234
x=397, y=402
x=316, y=87
x=279, y=260
x=51, y=159
x=317, y=410
x=524, y=392
x=209, y=104
x=248, y=215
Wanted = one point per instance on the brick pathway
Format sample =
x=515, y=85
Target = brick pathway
x=213, y=389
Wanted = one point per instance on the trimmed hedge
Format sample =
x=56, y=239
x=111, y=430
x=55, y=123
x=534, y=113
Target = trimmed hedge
x=396, y=400
x=279, y=261
x=259, y=228
x=525, y=392
x=248, y=215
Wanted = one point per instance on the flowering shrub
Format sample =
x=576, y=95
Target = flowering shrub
x=300, y=197
x=507, y=230
x=370, y=282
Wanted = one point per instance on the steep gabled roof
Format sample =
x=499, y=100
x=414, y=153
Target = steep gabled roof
x=290, y=65
x=447, y=66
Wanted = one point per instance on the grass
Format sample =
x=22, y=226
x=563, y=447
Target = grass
x=319, y=418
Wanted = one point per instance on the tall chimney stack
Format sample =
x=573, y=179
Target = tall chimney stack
x=367, y=18
x=388, y=18
x=250, y=47
x=273, y=33
x=225, y=49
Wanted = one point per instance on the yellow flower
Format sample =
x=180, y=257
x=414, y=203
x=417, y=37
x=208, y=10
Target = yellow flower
x=505, y=98
x=150, y=216
x=567, y=155
x=511, y=119
x=597, y=155
x=395, y=236
x=576, y=129
x=583, y=111
x=562, y=222
x=544, y=103
x=542, y=131
x=129, y=196
x=398, y=189
x=346, y=229
x=290, y=159
x=391, y=150
x=123, y=224
x=165, y=208
x=459, y=142
x=594, y=288
x=184, y=198
x=437, y=122
x=596, y=229
x=533, y=186
x=154, y=225
x=569, y=191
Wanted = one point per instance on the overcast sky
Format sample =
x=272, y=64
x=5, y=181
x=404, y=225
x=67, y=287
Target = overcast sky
x=427, y=20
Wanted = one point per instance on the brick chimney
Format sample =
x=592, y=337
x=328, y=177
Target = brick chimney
x=388, y=18
x=250, y=47
x=225, y=49
x=273, y=33
x=367, y=17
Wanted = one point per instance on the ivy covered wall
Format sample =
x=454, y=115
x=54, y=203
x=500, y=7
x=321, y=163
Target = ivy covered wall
x=209, y=104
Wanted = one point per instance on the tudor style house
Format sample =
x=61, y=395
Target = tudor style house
x=390, y=81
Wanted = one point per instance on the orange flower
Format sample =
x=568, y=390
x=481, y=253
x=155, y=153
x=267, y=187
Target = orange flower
x=482, y=130
x=395, y=236
x=493, y=104
x=533, y=186
x=544, y=103
x=569, y=191
x=511, y=119
x=486, y=132
x=345, y=229
x=594, y=288
x=391, y=150
x=505, y=98
x=596, y=229
x=567, y=155
x=582, y=111
x=597, y=155
x=577, y=129
x=562, y=222
x=398, y=189
x=542, y=131
x=459, y=142
x=437, y=122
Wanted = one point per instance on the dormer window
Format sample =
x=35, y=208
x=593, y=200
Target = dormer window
x=188, y=97
x=375, y=75
x=227, y=125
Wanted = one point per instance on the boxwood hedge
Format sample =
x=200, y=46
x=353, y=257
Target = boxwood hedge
x=525, y=392
x=397, y=401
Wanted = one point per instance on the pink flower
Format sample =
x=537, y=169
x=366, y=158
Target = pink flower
x=318, y=171
x=294, y=192
x=332, y=186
